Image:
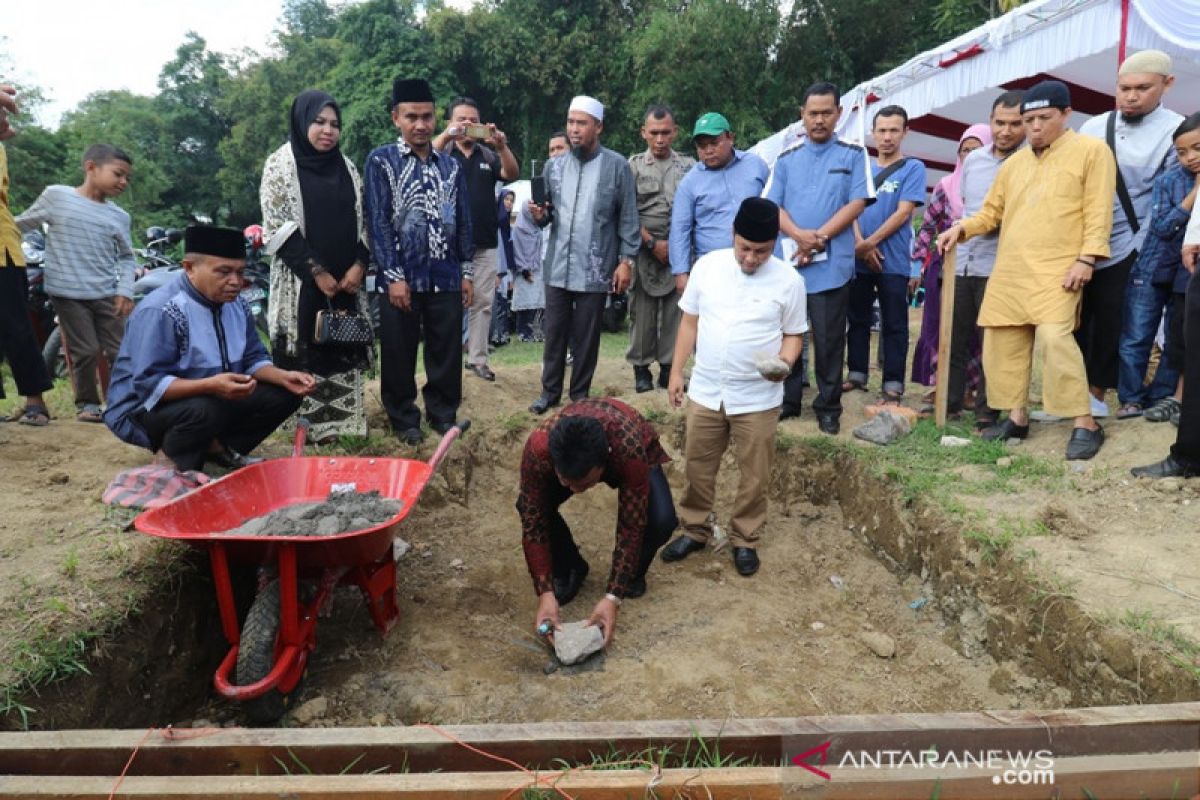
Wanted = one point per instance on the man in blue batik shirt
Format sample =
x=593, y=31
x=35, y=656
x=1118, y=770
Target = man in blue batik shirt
x=192, y=380
x=419, y=223
x=883, y=236
x=820, y=186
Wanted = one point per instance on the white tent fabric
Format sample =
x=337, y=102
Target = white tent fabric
x=950, y=87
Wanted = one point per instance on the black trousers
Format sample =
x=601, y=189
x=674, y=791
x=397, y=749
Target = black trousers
x=184, y=429
x=827, y=324
x=1100, y=315
x=1175, y=350
x=1187, y=442
x=437, y=319
x=18, y=345
x=968, y=299
x=571, y=319
x=661, y=522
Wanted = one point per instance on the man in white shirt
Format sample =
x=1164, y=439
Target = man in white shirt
x=741, y=309
x=1139, y=132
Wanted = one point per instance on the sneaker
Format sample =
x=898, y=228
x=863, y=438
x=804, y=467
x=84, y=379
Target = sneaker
x=1099, y=407
x=1044, y=416
x=1163, y=410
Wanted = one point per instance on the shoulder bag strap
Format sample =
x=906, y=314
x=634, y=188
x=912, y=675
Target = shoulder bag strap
x=1110, y=135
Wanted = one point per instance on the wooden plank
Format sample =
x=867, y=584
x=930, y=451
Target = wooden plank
x=1103, y=777
x=236, y=751
x=945, y=327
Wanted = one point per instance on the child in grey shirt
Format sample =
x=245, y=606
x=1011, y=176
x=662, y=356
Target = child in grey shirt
x=89, y=266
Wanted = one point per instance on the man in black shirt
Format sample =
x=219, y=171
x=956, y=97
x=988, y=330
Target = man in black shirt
x=486, y=161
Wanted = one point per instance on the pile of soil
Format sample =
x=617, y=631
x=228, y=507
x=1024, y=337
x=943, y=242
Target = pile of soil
x=341, y=512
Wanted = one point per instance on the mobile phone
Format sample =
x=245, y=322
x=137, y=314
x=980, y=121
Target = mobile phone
x=537, y=190
x=477, y=131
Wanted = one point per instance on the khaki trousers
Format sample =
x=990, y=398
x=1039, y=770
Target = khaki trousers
x=91, y=330
x=479, y=316
x=1008, y=363
x=708, y=436
x=655, y=323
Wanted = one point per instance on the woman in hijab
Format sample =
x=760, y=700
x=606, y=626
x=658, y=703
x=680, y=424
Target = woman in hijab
x=529, y=293
x=944, y=209
x=311, y=200
x=501, y=306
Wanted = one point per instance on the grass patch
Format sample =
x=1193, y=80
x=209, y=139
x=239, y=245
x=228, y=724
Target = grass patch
x=996, y=535
x=696, y=753
x=1184, y=652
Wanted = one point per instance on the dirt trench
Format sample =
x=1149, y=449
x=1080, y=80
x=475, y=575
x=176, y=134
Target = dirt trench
x=845, y=563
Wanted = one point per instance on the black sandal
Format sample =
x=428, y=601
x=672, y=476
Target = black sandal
x=35, y=415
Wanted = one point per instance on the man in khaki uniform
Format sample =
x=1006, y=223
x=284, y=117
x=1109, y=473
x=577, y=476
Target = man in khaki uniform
x=653, y=302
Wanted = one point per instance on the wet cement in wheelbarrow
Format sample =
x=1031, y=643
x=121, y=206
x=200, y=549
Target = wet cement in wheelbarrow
x=341, y=512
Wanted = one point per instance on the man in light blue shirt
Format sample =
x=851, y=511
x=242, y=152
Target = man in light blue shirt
x=820, y=185
x=708, y=197
x=882, y=252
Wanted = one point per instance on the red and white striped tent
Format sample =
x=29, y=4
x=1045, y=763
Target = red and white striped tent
x=1079, y=42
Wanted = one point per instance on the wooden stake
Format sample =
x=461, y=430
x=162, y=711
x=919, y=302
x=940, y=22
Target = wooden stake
x=945, y=327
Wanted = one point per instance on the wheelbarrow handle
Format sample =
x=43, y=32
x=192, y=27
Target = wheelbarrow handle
x=447, y=440
x=302, y=426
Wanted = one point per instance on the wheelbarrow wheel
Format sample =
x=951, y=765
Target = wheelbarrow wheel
x=256, y=656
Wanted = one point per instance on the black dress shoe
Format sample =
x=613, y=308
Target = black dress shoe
x=827, y=423
x=482, y=371
x=681, y=548
x=231, y=459
x=1169, y=467
x=413, y=436
x=788, y=412
x=643, y=380
x=543, y=404
x=746, y=560
x=1004, y=431
x=565, y=588
x=1084, y=444
x=637, y=588
x=664, y=376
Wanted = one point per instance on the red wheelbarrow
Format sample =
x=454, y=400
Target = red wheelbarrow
x=270, y=652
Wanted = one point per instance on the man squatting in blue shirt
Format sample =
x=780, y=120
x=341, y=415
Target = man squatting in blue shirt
x=192, y=379
x=820, y=186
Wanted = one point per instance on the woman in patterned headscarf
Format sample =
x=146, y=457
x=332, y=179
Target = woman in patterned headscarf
x=311, y=199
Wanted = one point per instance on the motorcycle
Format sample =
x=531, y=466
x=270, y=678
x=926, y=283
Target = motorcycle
x=257, y=279
x=41, y=312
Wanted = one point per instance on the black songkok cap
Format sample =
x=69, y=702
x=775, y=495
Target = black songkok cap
x=411, y=90
x=210, y=240
x=1047, y=94
x=757, y=220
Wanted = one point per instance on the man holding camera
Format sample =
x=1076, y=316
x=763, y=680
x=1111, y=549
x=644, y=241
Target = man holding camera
x=471, y=143
x=592, y=212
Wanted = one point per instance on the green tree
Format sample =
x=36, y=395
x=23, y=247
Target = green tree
x=382, y=40
x=190, y=86
x=692, y=60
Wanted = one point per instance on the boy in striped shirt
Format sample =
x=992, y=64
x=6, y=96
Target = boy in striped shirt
x=89, y=266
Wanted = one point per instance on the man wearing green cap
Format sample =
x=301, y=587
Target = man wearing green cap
x=652, y=300
x=709, y=197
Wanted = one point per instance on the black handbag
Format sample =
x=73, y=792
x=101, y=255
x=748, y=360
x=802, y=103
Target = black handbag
x=342, y=327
